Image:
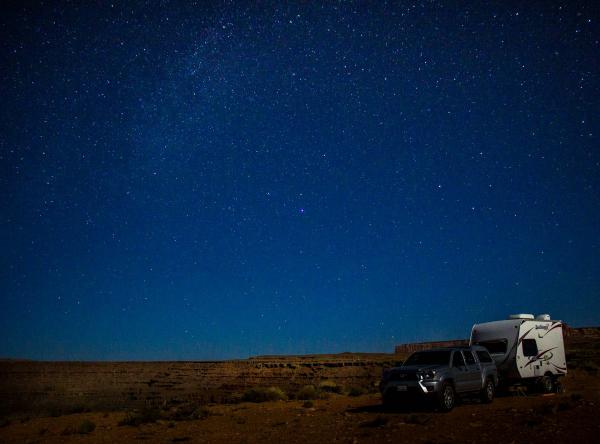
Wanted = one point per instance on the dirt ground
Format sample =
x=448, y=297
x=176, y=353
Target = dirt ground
x=569, y=417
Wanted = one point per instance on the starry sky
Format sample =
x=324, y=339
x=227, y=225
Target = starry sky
x=218, y=180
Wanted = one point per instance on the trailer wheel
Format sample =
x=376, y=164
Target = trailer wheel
x=547, y=384
x=488, y=391
x=558, y=387
x=447, y=397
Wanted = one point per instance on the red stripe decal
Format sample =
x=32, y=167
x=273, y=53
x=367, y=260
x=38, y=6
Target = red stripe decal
x=558, y=324
x=536, y=358
x=523, y=337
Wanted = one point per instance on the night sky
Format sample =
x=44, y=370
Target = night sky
x=195, y=181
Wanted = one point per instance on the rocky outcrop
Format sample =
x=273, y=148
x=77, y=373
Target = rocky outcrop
x=417, y=346
x=64, y=386
x=74, y=386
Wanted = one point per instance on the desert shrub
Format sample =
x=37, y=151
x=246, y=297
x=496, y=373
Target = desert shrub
x=181, y=412
x=576, y=397
x=356, y=391
x=373, y=388
x=307, y=392
x=324, y=395
x=417, y=419
x=77, y=409
x=563, y=405
x=69, y=430
x=86, y=426
x=144, y=416
x=187, y=412
x=201, y=412
x=534, y=421
x=379, y=421
x=231, y=398
x=330, y=387
x=262, y=394
x=545, y=409
x=308, y=404
x=55, y=412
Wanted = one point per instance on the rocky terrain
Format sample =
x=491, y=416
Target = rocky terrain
x=62, y=387
x=209, y=402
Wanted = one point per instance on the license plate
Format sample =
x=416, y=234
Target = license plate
x=401, y=388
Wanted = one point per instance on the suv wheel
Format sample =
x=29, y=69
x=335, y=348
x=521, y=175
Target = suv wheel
x=488, y=391
x=447, y=397
x=387, y=400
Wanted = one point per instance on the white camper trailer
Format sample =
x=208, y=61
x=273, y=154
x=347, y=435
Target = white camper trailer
x=525, y=348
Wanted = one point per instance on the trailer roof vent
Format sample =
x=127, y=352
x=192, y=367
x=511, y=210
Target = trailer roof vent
x=543, y=317
x=521, y=316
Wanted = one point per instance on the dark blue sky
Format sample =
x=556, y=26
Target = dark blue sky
x=205, y=182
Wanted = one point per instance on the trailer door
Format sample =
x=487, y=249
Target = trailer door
x=530, y=352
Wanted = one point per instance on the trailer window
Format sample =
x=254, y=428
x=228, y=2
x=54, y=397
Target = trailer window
x=483, y=356
x=530, y=347
x=496, y=347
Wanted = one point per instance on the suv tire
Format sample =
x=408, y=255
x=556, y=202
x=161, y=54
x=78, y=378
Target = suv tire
x=447, y=397
x=488, y=391
x=387, y=400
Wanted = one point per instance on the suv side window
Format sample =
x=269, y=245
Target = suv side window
x=483, y=356
x=457, y=359
x=530, y=347
x=469, y=357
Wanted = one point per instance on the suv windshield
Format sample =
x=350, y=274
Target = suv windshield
x=429, y=358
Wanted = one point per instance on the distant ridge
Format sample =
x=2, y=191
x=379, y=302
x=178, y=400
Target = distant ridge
x=416, y=346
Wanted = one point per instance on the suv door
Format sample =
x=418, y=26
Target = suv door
x=473, y=371
x=459, y=372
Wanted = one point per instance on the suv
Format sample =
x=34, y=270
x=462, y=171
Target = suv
x=441, y=374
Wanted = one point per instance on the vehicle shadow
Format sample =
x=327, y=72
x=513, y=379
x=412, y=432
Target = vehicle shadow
x=415, y=406
x=394, y=408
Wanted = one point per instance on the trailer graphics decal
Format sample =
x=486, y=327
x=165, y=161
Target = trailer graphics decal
x=523, y=337
x=559, y=369
x=542, y=356
x=555, y=325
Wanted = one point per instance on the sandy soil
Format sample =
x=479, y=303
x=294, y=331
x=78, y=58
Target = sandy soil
x=568, y=417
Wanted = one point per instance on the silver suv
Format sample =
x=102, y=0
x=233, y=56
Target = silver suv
x=440, y=375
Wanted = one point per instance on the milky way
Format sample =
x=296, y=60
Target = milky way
x=206, y=182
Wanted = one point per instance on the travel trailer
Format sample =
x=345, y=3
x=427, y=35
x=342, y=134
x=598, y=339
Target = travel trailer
x=527, y=349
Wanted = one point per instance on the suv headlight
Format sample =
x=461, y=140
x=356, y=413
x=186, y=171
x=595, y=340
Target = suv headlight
x=428, y=374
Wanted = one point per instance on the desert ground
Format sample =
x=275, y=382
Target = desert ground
x=337, y=414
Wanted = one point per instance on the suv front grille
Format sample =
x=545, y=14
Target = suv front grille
x=399, y=375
